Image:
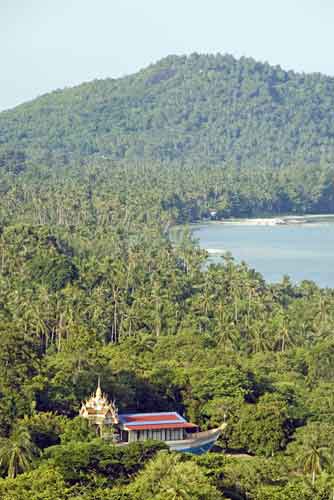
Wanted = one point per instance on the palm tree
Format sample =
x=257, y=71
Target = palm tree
x=258, y=338
x=17, y=452
x=148, y=481
x=313, y=459
x=281, y=337
x=228, y=337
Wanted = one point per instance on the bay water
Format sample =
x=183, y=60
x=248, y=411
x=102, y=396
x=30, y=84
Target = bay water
x=303, y=251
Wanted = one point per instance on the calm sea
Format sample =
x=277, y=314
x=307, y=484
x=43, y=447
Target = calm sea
x=303, y=251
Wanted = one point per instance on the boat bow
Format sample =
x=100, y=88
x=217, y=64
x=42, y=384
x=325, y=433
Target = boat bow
x=199, y=442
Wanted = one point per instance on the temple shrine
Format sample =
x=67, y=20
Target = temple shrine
x=169, y=427
x=99, y=412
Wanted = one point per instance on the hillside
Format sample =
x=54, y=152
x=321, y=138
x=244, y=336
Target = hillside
x=201, y=108
x=91, y=285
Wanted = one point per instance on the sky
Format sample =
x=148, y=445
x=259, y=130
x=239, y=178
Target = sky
x=50, y=44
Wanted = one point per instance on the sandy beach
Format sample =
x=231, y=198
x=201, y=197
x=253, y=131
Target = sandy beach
x=277, y=221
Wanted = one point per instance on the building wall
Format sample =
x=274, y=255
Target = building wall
x=160, y=435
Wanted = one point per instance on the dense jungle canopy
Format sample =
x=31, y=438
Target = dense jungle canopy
x=201, y=108
x=91, y=180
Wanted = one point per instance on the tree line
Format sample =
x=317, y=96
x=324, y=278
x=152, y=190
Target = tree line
x=92, y=283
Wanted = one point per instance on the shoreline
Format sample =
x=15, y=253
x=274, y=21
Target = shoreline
x=286, y=220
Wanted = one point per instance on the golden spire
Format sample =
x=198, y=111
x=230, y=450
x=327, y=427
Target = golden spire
x=98, y=390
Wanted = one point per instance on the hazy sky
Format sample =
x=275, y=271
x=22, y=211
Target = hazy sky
x=49, y=44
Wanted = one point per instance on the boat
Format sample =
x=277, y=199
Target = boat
x=169, y=427
x=199, y=443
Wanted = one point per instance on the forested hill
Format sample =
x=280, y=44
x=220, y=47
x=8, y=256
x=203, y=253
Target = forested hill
x=203, y=108
x=91, y=284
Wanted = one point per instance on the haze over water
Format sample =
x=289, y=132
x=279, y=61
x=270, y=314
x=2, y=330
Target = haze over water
x=303, y=251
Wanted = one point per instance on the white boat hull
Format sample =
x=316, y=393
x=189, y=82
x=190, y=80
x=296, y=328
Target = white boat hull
x=201, y=442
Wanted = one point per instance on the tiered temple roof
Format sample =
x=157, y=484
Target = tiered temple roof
x=99, y=410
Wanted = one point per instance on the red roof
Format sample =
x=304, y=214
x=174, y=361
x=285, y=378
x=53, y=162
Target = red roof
x=184, y=425
x=151, y=421
x=152, y=417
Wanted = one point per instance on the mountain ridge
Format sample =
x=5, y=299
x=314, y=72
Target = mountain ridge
x=197, y=108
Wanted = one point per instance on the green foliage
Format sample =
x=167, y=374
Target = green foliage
x=43, y=483
x=95, y=279
x=44, y=428
x=17, y=452
x=204, y=108
x=167, y=478
x=245, y=475
x=98, y=461
x=294, y=491
x=213, y=466
x=77, y=430
x=54, y=273
x=261, y=428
